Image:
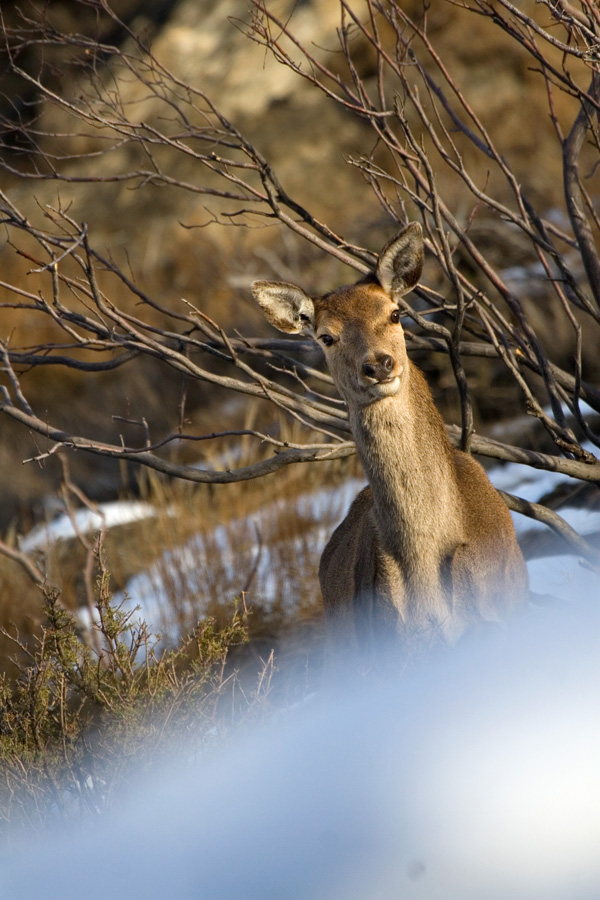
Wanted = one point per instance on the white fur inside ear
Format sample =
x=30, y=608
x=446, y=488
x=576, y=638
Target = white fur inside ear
x=286, y=306
x=401, y=262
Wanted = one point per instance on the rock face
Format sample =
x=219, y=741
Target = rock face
x=306, y=137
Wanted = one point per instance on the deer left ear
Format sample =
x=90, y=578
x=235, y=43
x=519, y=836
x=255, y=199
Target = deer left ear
x=401, y=262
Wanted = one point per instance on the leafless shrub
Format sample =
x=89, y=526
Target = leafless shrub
x=432, y=155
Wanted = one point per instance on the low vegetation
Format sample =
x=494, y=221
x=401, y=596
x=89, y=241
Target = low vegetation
x=93, y=692
x=86, y=717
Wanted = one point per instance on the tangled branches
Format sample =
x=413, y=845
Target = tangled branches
x=431, y=154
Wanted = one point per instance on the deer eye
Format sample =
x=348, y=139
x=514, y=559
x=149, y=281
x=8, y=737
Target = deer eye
x=326, y=339
x=395, y=316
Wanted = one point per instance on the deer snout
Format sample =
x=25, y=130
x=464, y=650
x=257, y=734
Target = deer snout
x=380, y=369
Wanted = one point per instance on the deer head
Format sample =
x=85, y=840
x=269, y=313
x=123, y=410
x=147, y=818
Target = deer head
x=358, y=326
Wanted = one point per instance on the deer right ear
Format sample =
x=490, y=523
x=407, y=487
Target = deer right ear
x=401, y=262
x=286, y=306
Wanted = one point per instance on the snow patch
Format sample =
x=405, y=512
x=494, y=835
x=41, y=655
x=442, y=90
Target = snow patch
x=474, y=776
x=86, y=521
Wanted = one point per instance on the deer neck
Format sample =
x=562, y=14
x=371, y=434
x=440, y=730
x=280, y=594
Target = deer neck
x=409, y=463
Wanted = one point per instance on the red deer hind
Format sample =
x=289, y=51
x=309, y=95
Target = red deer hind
x=428, y=548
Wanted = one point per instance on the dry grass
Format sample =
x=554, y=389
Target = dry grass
x=203, y=546
x=237, y=627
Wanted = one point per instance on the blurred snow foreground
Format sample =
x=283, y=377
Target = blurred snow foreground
x=475, y=774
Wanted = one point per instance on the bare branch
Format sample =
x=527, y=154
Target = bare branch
x=573, y=191
x=62, y=439
x=25, y=561
x=430, y=152
x=542, y=514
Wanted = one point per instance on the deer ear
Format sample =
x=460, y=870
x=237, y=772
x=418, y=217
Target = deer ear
x=401, y=262
x=286, y=306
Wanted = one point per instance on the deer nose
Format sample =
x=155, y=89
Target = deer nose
x=380, y=369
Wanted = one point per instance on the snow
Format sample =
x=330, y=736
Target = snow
x=473, y=776
x=149, y=590
x=86, y=521
x=533, y=484
x=563, y=577
x=530, y=484
x=186, y=566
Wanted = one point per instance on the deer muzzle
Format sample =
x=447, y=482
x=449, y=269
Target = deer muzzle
x=380, y=369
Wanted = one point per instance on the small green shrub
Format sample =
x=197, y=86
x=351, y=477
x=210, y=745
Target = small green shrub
x=92, y=711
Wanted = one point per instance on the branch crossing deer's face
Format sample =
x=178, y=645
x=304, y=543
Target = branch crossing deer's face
x=358, y=326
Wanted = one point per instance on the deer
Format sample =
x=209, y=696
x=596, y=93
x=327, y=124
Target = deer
x=428, y=548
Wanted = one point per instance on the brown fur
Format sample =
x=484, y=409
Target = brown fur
x=428, y=549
